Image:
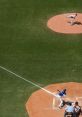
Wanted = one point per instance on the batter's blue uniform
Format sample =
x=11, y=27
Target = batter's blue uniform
x=62, y=93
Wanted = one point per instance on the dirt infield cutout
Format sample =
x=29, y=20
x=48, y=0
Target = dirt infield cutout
x=40, y=103
x=65, y=23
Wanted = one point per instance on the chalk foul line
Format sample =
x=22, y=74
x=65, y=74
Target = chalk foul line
x=32, y=83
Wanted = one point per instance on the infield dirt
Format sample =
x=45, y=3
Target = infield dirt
x=40, y=102
x=62, y=24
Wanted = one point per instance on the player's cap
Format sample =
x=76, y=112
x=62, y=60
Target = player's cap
x=76, y=103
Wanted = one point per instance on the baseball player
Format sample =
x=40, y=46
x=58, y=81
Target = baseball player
x=63, y=103
x=73, y=16
x=61, y=94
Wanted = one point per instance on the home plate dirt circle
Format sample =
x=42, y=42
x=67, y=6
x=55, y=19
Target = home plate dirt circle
x=62, y=23
x=40, y=103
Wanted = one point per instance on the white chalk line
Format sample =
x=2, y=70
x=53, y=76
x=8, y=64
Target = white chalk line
x=9, y=71
x=47, y=91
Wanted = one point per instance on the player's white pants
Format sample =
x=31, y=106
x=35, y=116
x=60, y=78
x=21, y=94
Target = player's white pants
x=60, y=98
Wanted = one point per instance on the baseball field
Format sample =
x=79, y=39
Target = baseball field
x=30, y=49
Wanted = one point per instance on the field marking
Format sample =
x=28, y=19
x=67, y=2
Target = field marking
x=32, y=83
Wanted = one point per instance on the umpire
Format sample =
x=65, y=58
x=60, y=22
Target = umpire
x=69, y=110
x=77, y=110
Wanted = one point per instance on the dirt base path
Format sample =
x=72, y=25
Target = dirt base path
x=63, y=24
x=40, y=103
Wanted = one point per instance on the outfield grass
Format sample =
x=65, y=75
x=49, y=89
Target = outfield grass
x=30, y=49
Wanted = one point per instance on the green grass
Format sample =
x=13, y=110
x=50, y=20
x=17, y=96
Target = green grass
x=30, y=49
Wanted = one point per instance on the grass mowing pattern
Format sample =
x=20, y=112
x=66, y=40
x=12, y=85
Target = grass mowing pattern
x=30, y=49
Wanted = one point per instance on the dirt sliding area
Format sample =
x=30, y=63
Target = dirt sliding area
x=70, y=23
x=43, y=104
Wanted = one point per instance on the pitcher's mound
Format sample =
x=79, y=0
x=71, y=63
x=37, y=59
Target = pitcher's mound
x=43, y=104
x=65, y=24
